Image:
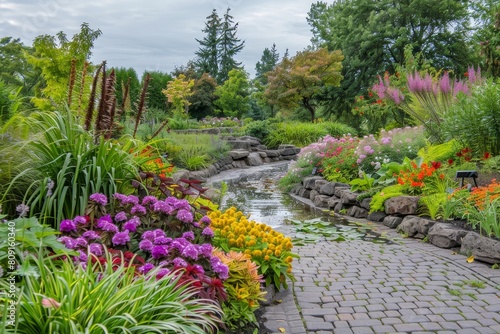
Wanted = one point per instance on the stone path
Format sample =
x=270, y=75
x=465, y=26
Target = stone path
x=405, y=287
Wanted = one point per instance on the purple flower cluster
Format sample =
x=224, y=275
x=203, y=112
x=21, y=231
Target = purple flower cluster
x=100, y=199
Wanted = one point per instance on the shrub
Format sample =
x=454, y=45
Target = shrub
x=391, y=146
x=168, y=234
x=243, y=291
x=258, y=129
x=271, y=250
x=103, y=298
x=339, y=160
x=474, y=120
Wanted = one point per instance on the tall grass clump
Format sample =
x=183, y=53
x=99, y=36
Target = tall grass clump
x=108, y=298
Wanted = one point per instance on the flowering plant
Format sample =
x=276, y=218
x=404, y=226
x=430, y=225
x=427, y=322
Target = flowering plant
x=268, y=248
x=150, y=233
x=390, y=146
x=339, y=159
x=416, y=178
x=155, y=163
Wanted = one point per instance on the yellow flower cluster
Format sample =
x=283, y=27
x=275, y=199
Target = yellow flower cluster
x=255, y=239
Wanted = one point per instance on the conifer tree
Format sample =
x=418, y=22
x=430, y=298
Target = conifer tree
x=229, y=45
x=208, y=53
x=267, y=63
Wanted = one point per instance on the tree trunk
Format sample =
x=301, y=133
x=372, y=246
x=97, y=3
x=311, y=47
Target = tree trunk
x=308, y=106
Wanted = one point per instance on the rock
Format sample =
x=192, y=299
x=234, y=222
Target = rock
x=445, y=235
x=319, y=183
x=377, y=216
x=239, y=144
x=339, y=187
x=338, y=207
x=262, y=154
x=304, y=193
x=348, y=197
x=287, y=152
x=254, y=159
x=238, y=154
x=180, y=174
x=327, y=189
x=392, y=221
x=310, y=182
x=332, y=202
x=483, y=248
x=365, y=203
x=272, y=153
x=239, y=164
x=416, y=227
x=357, y=212
x=295, y=189
x=321, y=201
x=403, y=205
x=313, y=194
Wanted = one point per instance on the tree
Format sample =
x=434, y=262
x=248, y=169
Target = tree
x=202, y=100
x=178, y=92
x=268, y=61
x=56, y=57
x=373, y=34
x=15, y=69
x=488, y=36
x=158, y=81
x=208, y=53
x=233, y=95
x=298, y=81
x=229, y=46
x=219, y=47
x=124, y=77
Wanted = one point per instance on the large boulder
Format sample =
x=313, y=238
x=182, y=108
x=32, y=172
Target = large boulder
x=445, y=235
x=239, y=144
x=333, y=201
x=254, y=159
x=483, y=248
x=348, y=197
x=402, y=205
x=327, y=188
x=318, y=184
x=376, y=216
x=416, y=227
x=339, y=188
x=321, y=201
x=313, y=194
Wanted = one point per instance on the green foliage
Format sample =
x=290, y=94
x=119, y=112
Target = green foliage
x=70, y=167
x=377, y=202
x=268, y=61
x=10, y=101
x=474, y=121
x=203, y=97
x=193, y=158
x=362, y=184
x=103, y=298
x=296, y=82
x=125, y=76
x=53, y=56
x=155, y=98
x=233, y=96
x=339, y=161
x=303, y=134
x=258, y=129
x=373, y=35
x=439, y=152
x=432, y=205
x=486, y=218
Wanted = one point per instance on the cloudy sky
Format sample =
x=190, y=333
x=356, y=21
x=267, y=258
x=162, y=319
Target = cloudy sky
x=160, y=34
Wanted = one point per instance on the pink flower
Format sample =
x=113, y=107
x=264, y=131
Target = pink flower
x=50, y=303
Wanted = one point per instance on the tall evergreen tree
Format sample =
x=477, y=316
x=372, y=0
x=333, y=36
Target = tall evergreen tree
x=267, y=63
x=208, y=53
x=229, y=45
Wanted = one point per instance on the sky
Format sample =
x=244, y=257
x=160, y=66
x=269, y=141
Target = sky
x=160, y=35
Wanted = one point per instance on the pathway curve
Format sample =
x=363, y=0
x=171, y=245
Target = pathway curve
x=405, y=287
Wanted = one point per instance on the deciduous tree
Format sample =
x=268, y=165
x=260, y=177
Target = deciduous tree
x=298, y=81
x=178, y=92
x=233, y=95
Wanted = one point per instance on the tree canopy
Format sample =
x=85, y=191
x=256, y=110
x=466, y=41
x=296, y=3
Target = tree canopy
x=298, y=81
x=373, y=35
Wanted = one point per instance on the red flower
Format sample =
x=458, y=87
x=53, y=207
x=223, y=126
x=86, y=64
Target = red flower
x=486, y=155
x=450, y=162
x=370, y=94
x=436, y=164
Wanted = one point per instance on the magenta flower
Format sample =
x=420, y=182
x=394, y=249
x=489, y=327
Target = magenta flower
x=145, y=245
x=67, y=225
x=159, y=251
x=81, y=242
x=120, y=238
x=188, y=235
x=131, y=199
x=207, y=232
x=146, y=268
x=138, y=209
x=190, y=252
x=205, y=250
x=220, y=268
x=91, y=235
x=149, y=200
x=130, y=226
x=121, y=216
x=80, y=220
x=99, y=198
x=110, y=227
x=96, y=249
x=67, y=241
x=103, y=220
x=179, y=263
x=162, y=240
x=162, y=273
x=148, y=235
x=206, y=220
x=185, y=216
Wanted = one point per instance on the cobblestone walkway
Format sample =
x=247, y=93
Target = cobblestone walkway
x=405, y=287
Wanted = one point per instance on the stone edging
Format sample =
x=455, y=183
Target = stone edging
x=401, y=214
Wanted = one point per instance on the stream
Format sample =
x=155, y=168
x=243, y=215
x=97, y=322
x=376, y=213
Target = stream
x=254, y=191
